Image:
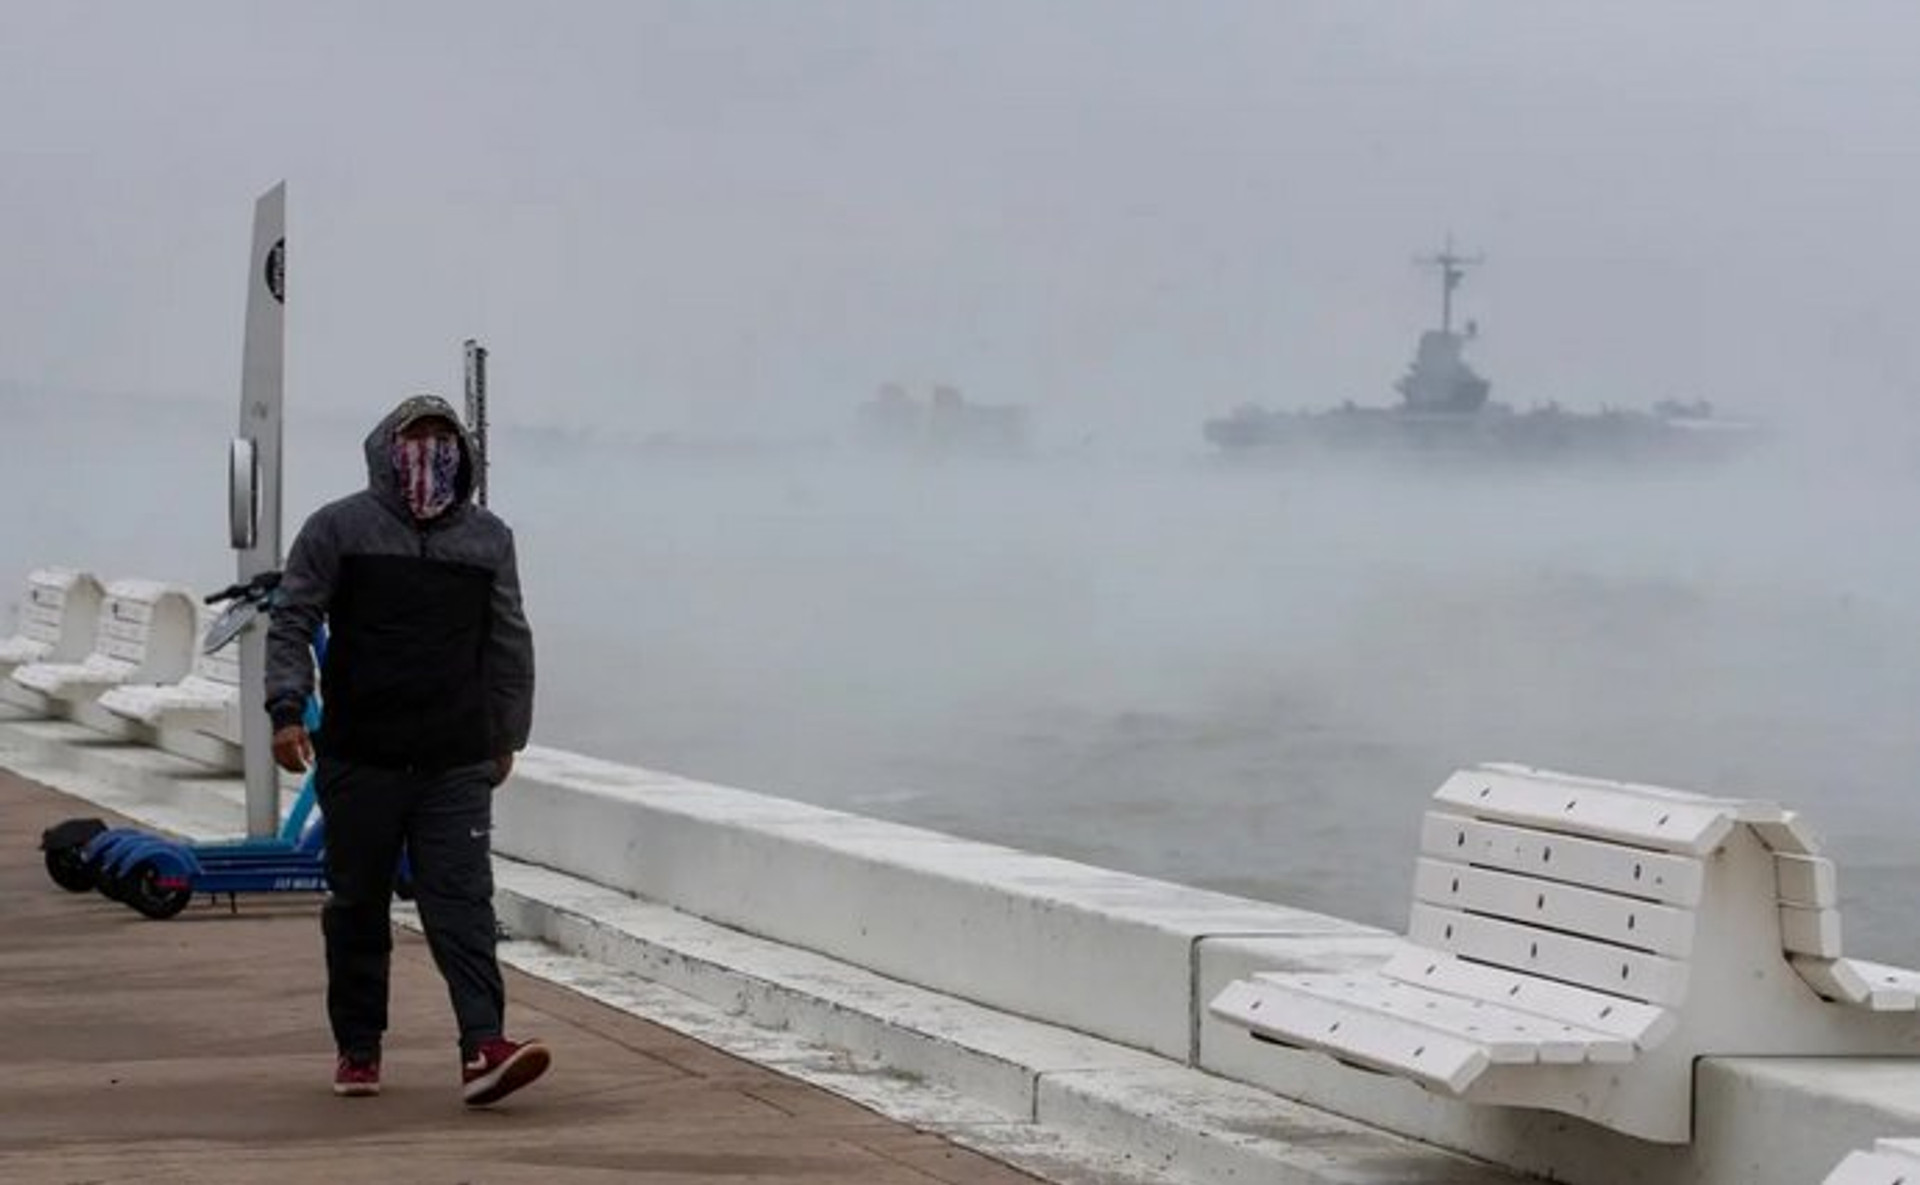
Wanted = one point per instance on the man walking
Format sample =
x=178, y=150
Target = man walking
x=428, y=692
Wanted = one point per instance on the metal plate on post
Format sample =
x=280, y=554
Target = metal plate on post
x=243, y=493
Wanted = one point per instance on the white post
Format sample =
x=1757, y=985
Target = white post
x=262, y=374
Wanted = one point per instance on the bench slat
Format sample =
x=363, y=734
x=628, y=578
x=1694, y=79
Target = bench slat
x=219, y=668
x=1789, y=835
x=1510, y=1036
x=1861, y=984
x=19, y=651
x=1673, y=824
x=1810, y=931
x=1598, y=965
x=1645, y=926
x=1657, y=876
x=1892, y=989
x=150, y=702
x=1744, y=810
x=60, y=679
x=1806, y=880
x=1837, y=980
x=1377, y=1042
x=1644, y=1025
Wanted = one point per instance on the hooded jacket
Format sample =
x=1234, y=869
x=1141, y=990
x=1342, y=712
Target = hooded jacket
x=429, y=659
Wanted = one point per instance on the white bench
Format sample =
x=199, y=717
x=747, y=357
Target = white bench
x=207, y=700
x=1892, y=1162
x=1576, y=944
x=57, y=619
x=146, y=635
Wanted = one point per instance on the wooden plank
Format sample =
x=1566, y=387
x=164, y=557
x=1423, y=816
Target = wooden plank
x=1791, y=835
x=125, y=608
x=1889, y=989
x=220, y=668
x=1810, y=931
x=1596, y=811
x=1627, y=921
x=1806, y=880
x=1598, y=965
x=20, y=652
x=1838, y=980
x=1595, y=863
x=1743, y=810
x=1641, y=1025
x=1510, y=1036
x=128, y=650
x=1381, y=1043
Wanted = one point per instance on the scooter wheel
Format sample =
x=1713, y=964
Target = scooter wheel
x=145, y=893
x=110, y=882
x=70, y=870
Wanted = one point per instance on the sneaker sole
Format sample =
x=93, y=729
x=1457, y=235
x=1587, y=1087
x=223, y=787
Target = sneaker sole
x=523, y=1067
x=356, y=1090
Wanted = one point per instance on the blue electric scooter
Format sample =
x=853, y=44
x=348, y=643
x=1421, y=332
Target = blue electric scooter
x=160, y=876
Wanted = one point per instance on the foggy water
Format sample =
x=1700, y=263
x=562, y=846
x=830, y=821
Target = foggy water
x=1247, y=680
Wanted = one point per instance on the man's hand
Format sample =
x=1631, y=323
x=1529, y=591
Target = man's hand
x=292, y=749
x=502, y=768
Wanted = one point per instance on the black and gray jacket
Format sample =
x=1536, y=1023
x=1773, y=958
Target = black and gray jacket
x=429, y=660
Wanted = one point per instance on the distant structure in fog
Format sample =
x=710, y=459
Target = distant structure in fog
x=945, y=424
x=1444, y=411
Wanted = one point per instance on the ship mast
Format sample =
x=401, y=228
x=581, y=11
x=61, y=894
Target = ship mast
x=1452, y=267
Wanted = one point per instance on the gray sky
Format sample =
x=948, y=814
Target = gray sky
x=1129, y=216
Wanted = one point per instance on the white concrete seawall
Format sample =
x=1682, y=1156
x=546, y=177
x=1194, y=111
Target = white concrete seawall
x=1053, y=993
x=1108, y=954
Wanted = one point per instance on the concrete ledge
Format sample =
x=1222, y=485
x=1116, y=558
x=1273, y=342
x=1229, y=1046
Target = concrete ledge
x=1103, y=952
x=988, y=1056
x=1159, y=1119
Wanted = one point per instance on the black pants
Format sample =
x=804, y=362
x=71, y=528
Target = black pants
x=444, y=820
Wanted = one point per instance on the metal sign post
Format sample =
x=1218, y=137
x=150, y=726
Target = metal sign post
x=477, y=414
x=254, y=489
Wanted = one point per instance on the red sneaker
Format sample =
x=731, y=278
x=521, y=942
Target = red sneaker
x=356, y=1078
x=500, y=1068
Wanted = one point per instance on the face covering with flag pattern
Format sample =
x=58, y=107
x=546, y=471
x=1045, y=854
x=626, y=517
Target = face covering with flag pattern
x=429, y=470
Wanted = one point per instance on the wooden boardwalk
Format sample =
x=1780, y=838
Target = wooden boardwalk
x=196, y=1050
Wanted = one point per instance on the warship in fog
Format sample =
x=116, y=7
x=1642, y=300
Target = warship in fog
x=1444, y=410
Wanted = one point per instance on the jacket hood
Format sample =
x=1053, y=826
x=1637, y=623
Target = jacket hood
x=384, y=482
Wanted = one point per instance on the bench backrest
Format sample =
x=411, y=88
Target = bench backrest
x=151, y=626
x=1589, y=884
x=62, y=610
x=223, y=665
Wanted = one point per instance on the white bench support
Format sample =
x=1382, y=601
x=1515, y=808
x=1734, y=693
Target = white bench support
x=1892, y=1162
x=1576, y=944
x=146, y=635
x=58, y=618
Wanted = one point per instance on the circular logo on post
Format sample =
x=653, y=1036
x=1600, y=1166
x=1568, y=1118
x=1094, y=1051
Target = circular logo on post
x=277, y=271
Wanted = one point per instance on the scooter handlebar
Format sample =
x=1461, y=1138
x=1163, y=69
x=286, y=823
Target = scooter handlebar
x=254, y=589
